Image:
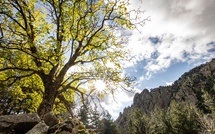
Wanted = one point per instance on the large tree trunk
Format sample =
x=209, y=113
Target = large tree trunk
x=49, y=97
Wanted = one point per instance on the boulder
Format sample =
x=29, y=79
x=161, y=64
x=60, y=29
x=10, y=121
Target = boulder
x=50, y=119
x=32, y=124
x=20, y=123
x=40, y=128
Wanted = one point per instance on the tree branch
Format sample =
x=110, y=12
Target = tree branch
x=16, y=78
x=70, y=83
x=19, y=8
x=13, y=19
x=17, y=68
x=89, y=61
x=28, y=53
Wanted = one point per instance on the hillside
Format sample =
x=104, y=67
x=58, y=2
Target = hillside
x=188, y=88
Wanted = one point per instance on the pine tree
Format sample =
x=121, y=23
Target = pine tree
x=138, y=122
x=107, y=125
x=158, y=122
x=95, y=118
x=183, y=118
x=84, y=114
x=207, y=120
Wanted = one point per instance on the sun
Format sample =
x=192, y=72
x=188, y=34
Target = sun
x=100, y=86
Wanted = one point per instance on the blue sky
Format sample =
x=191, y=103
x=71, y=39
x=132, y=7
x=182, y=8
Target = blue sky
x=162, y=78
x=179, y=36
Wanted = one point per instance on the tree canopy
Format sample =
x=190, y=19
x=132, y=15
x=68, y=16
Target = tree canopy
x=51, y=50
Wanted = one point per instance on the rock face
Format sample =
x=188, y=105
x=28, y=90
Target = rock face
x=146, y=101
x=32, y=124
x=187, y=88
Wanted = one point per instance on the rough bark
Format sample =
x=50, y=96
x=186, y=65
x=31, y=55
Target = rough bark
x=47, y=103
x=49, y=96
x=48, y=100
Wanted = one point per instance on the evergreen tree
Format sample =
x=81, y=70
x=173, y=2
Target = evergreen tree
x=158, y=123
x=138, y=122
x=207, y=120
x=107, y=126
x=84, y=114
x=90, y=116
x=183, y=118
x=95, y=118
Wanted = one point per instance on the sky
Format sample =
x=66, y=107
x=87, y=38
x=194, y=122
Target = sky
x=178, y=37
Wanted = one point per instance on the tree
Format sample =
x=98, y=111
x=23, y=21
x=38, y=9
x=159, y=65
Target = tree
x=183, y=118
x=107, y=126
x=84, y=114
x=138, y=122
x=53, y=48
x=96, y=116
x=209, y=100
x=158, y=123
x=90, y=116
x=94, y=121
x=15, y=101
x=180, y=118
x=207, y=120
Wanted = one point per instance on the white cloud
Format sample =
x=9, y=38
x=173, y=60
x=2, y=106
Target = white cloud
x=141, y=78
x=115, y=104
x=184, y=29
x=169, y=83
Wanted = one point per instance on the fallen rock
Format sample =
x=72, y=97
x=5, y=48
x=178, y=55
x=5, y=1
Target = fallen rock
x=51, y=119
x=32, y=124
x=40, y=128
x=20, y=123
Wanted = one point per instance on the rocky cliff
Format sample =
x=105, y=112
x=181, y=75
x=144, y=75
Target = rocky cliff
x=187, y=88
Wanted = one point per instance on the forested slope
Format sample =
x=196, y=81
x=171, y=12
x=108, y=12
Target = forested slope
x=193, y=92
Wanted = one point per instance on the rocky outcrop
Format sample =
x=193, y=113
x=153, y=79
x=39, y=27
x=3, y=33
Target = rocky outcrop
x=20, y=123
x=187, y=88
x=146, y=101
x=32, y=124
